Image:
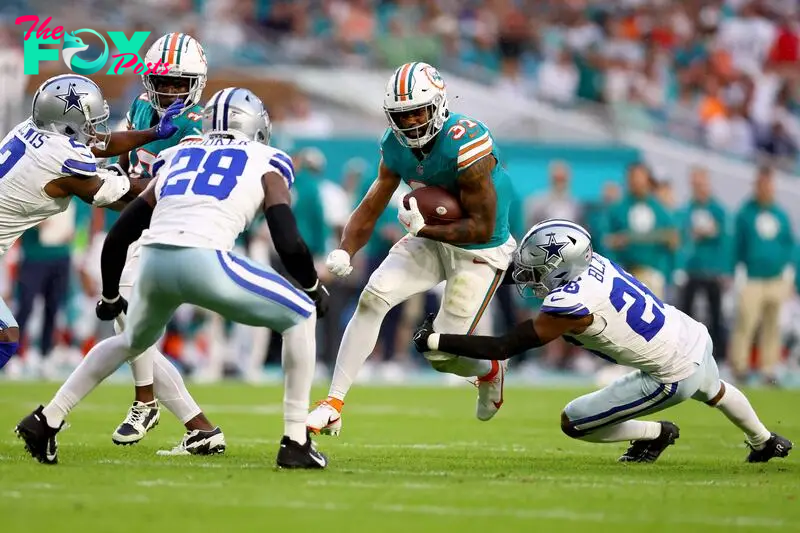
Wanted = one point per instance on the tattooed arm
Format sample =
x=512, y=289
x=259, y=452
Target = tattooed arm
x=479, y=200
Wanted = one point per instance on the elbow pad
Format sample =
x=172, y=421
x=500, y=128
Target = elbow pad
x=112, y=189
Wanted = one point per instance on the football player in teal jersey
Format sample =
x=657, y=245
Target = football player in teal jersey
x=155, y=378
x=427, y=144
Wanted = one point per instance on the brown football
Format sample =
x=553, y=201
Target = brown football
x=436, y=204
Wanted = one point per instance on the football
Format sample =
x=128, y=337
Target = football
x=436, y=204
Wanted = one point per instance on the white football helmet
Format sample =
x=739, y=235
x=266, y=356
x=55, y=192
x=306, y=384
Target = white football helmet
x=415, y=103
x=187, y=62
x=552, y=253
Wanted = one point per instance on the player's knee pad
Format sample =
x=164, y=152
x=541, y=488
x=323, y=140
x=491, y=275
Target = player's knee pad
x=7, y=351
x=377, y=295
x=440, y=361
x=462, y=296
x=569, y=428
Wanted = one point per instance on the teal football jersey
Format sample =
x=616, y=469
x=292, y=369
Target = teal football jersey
x=142, y=116
x=461, y=142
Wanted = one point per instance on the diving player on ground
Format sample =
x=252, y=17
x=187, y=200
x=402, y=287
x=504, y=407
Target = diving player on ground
x=205, y=194
x=155, y=378
x=51, y=157
x=593, y=303
x=427, y=144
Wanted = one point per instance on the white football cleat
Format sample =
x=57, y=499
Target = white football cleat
x=326, y=419
x=198, y=442
x=142, y=417
x=490, y=391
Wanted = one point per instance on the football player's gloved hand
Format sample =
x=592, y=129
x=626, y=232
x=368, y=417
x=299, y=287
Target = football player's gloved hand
x=111, y=308
x=338, y=263
x=411, y=218
x=166, y=128
x=319, y=293
x=424, y=331
x=116, y=169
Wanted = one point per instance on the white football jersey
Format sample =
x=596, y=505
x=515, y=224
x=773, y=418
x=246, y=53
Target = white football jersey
x=30, y=159
x=209, y=191
x=631, y=326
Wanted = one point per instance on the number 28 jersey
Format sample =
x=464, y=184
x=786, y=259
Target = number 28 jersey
x=631, y=327
x=208, y=191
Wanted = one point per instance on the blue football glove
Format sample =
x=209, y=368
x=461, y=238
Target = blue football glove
x=166, y=128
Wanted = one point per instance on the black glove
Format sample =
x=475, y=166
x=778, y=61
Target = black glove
x=109, y=309
x=319, y=293
x=423, y=332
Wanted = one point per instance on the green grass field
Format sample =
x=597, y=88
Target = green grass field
x=408, y=460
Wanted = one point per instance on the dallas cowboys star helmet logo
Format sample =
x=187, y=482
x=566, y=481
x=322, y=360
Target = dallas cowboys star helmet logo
x=71, y=99
x=552, y=248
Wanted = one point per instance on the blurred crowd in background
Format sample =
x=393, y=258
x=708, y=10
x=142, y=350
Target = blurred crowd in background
x=718, y=73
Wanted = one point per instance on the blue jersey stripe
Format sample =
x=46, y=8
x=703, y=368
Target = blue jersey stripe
x=283, y=164
x=80, y=168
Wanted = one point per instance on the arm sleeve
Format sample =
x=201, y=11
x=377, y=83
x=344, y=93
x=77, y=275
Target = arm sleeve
x=290, y=245
x=523, y=337
x=133, y=220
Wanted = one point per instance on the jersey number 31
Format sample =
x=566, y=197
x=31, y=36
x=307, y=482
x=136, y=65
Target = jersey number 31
x=212, y=174
x=644, y=316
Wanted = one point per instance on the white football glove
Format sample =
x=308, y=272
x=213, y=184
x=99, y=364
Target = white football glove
x=411, y=218
x=338, y=263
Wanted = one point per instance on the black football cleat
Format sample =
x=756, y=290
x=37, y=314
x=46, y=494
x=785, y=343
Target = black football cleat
x=294, y=455
x=647, y=451
x=40, y=439
x=776, y=446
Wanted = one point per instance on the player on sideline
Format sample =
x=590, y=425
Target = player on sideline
x=427, y=144
x=51, y=157
x=155, y=378
x=593, y=303
x=205, y=193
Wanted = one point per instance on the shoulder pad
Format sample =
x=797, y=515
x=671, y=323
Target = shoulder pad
x=468, y=141
x=78, y=159
x=565, y=301
x=281, y=161
x=389, y=147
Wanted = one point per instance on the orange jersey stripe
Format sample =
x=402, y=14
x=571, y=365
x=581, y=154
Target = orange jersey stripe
x=474, y=158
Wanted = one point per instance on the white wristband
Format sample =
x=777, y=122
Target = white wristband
x=111, y=300
x=433, y=341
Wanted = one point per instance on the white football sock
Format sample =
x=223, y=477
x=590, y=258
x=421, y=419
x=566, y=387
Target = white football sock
x=142, y=366
x=625, y=431
x=171, y=390
x=299, y=358
x=737, y=408
x=99, y=363
x=358, y=341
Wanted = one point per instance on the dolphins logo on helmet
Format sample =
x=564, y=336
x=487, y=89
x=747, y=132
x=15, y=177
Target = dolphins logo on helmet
x=73, y=45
